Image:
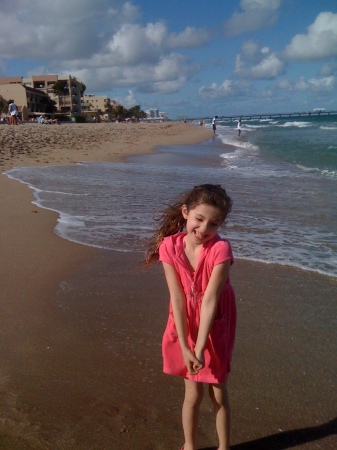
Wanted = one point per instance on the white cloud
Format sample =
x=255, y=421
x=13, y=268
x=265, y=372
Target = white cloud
x=170, y=67
x=168, y=75
x=323, y=85
x=128, y=101
x=250, y=52
x=133, y=44
x=169, y=87
x=190, y=37
x=101, y=42
x=255, y=14
x=257, y=64
x=328, y=69
x=320, y=41
x=215, y=91
x=228, y=88
x=62, y=29
x=286, y=85
x=269, y=68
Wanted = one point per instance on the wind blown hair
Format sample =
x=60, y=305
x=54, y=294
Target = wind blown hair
x=171, y=220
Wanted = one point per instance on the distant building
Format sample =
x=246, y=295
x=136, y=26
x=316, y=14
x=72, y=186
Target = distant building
x=163, y=115
x=319, y=110
x=155, y=114
x=70, y=103
x=152, y=113
x=94, y=106
x=30, y=102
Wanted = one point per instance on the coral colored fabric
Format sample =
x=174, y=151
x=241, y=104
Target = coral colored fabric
x=218, y=353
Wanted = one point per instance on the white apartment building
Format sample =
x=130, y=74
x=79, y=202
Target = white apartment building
x=152, y=113
x=163, y=115
x=155, y=114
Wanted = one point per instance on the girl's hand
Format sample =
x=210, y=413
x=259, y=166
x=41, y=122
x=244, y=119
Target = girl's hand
x=192, y=363
x=201, y=359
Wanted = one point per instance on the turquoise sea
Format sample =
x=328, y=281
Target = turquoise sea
x=281, y=174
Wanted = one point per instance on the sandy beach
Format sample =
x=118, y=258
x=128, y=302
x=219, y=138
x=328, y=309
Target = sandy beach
x=80, y=328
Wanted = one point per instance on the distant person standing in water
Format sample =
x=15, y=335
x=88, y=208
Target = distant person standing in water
x=214, y=124
x=239, y=127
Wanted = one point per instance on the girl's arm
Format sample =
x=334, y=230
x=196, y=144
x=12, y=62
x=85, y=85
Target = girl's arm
x=180, y=317
x=209, y=305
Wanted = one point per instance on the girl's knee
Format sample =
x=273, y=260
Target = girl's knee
x=194, y=393
x=218, y=394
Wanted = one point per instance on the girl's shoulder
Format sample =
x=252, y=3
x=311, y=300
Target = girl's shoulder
x=172, y=246
x=174, y=239
x=219, y=242
x=221, y=249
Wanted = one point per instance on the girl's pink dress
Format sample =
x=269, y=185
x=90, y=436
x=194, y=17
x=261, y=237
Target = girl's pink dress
x=218, y=353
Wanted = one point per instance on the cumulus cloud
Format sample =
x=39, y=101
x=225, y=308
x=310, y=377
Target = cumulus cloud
x=228, y=88
x=255, y=14
x=101, y=42
x=320, y=41
x=215, y=91
x=189, y=38
x=169, y=87
x=62, y=29
x=128, y=101
x=312, y=85
x=258, y=64
x=168, y=74
x=133, y=44
x=328, y=69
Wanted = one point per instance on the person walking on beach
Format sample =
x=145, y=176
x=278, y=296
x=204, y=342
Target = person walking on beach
x=199, y=337
x=214, y=124
x=239, y=127
x=13, y=111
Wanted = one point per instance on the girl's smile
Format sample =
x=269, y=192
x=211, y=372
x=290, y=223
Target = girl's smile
x=202, y=222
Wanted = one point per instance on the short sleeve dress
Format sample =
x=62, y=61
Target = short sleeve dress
x=220, y=344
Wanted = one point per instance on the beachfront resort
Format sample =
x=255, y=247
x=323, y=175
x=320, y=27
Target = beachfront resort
x=65, y=97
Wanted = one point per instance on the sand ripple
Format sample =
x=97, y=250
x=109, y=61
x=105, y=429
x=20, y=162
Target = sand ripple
x=36, y=144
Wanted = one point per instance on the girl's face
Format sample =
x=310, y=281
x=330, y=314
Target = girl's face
x=202, y=222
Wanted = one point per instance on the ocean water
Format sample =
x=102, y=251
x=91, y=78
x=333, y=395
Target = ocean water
x=280, y=173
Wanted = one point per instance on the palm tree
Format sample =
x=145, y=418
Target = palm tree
x=60, y=89
x=50, y=105
x=136, y=112
x=120, y=112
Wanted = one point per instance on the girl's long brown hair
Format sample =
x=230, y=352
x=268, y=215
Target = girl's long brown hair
x=171, y=221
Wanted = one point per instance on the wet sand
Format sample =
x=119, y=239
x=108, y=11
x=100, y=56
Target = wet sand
x=81, y=330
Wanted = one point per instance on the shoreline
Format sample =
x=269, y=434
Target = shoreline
x=74, y=325
x=35, y=144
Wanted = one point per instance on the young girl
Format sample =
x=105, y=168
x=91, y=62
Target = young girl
x=200, y=333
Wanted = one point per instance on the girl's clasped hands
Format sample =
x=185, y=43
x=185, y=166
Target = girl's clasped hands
x=193, y=364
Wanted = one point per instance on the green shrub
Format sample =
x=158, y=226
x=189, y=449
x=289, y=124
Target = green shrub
x=62, y=118
x=79, y=119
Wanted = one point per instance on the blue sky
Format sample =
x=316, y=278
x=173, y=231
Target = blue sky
x=186, y=57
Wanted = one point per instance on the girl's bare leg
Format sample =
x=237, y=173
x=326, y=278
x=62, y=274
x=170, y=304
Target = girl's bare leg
x=190, y=412
x=219, y=397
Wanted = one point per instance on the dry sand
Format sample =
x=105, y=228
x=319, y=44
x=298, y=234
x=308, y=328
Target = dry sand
x=36, y=144
x=80, y=328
